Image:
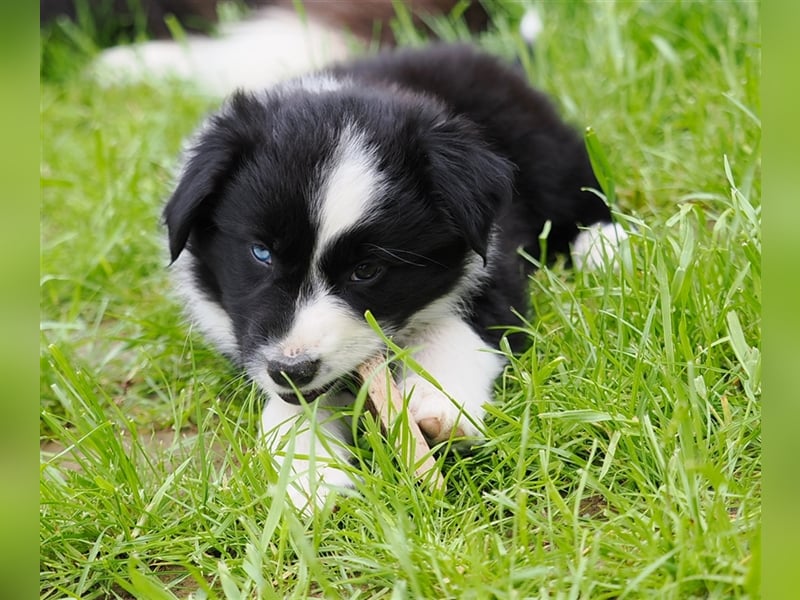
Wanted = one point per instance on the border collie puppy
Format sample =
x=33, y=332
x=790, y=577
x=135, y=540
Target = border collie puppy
x=403, y=184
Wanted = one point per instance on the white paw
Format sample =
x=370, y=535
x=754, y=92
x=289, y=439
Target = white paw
x=601, y=245
x=465, y=367
x=308, y=491
x=439, y=417
x=314, y=451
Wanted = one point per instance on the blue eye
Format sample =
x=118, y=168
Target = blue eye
x=261, y=253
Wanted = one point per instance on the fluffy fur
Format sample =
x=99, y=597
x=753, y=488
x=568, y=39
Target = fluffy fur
x=402, y=184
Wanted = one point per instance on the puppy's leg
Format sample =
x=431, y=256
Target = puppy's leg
x=465, y=367
x=315, y=446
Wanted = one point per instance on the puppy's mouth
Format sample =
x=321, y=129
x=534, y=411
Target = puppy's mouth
x=308, y=396
x=349, y=381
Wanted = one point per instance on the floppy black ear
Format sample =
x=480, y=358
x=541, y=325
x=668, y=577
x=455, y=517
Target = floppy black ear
x=209, y=162
x=470, y=183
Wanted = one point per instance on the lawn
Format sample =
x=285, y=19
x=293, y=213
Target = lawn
x=624, y=448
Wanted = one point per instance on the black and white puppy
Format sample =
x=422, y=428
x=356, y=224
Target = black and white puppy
x=402, y=184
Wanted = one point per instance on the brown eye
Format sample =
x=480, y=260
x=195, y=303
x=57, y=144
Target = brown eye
x=366, y=271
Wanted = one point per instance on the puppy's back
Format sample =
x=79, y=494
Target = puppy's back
x=482, y=87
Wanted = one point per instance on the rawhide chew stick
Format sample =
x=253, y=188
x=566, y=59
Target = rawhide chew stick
x=382, y=393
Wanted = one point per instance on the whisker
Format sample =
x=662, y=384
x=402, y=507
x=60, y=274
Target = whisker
x=396, y=254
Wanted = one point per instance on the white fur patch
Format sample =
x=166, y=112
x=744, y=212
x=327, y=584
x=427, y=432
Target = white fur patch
x=316, y=450
x=324, y=328
x=465, y=367
x=352, y=182
x=600, y=245
x=205, y=314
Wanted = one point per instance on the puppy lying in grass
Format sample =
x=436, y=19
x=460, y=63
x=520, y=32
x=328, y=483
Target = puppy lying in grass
x=403, y=184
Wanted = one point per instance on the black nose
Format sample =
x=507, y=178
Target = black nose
x=301, y=370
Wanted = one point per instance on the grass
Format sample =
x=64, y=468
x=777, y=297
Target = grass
x=623, y=458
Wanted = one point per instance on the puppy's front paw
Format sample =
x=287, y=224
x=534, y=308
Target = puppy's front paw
x=315, y=452
x=308, y=491
x=465, y=367
x=440, y=418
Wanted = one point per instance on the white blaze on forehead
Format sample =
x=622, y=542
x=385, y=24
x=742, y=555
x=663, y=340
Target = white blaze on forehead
x=350, y=186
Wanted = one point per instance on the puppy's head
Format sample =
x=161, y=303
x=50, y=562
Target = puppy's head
x=297, y=211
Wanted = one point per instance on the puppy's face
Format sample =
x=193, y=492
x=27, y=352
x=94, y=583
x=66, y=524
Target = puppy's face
x=297, y=212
